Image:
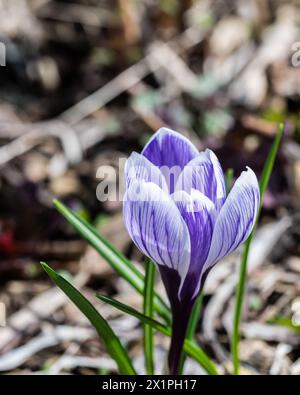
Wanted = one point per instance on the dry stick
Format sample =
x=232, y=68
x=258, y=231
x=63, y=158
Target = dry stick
x=126, y=80
x=130, y=21
x=108, y=92
x=51, y=338
x=18, y=20
x=69, y=362
x=165, y=55
x=39, y=308
x=29, y=140
x=73, y=142
x=270, y=333
x=147, y=115
x=280, y=355
x=73, y=13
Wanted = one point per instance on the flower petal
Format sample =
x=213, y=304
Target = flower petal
x=204, y=173
x=236, y=219
x=198, y=212
x=169, y=148
x=138, y=167
x=156, y=227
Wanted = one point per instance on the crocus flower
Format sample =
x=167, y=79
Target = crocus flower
x=177, y=214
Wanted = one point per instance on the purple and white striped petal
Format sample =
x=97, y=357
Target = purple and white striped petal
x=138, y=167
x=204, y=173
x=236, y=218
x=156, y=226
x=198, y=212
x=169, y=148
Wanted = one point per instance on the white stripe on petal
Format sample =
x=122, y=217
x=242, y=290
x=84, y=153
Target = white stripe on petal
x=156, y=226
x=138, y=167
x=236, y=219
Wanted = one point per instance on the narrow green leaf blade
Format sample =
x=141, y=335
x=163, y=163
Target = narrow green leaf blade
x=111, y=341
x=190, y=347
x=150, y=271
x=285, y=322
x=116, y=260
x=240, y=289
x=135, y=313
x=269, y=164
x=228, y=179
x=191, y=330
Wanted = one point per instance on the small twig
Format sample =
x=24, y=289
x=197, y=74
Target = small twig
x=40, y=307
x=172, y=63
x=75, y=13
x=281, y=351
x=74, y=140
x=57, y=335
x=35, y=134
x=69, y=362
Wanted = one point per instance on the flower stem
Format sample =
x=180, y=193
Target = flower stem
x=148, y=311
x=181, y=314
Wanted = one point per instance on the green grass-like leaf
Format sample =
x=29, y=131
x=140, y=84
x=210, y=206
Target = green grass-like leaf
x=190, y=347
x=192, y=326
x=240, y=289
x=111, y=341
x=114, y=258
x=150, y=271
x=285, y=322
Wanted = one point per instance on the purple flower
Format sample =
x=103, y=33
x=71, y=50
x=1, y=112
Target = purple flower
x=177, y=214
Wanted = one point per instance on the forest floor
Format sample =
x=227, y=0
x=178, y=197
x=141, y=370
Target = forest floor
x=87, y=83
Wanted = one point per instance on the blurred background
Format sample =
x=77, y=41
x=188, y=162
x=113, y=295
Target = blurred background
x=85, y=82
